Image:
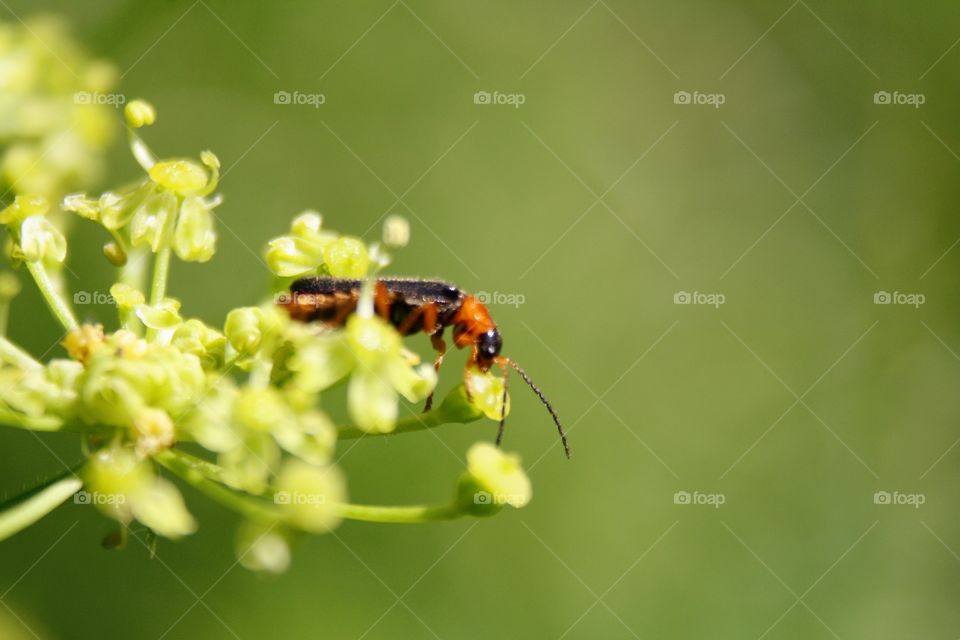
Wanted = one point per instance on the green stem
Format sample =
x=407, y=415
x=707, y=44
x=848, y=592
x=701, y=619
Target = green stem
x=16, y=356
x=33, y=423
x=134, y=273
x=410, y=424
x=20, y=512
x=161, y=267
x=200, y=474
x=158, y=285
x=399, y=515
x=208, y=477
x=57, y=304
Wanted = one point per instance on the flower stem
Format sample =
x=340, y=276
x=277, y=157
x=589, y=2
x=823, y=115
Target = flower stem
x=21, y=511
x=399, y=515
x=161, y=267
x=199, y=474
x=33, y=423
x=57, y=304
x=158, y=286
x=412, y=423
x=208, y=478
x=14, y=355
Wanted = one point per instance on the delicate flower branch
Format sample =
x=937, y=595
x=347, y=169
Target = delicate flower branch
x=245, y=394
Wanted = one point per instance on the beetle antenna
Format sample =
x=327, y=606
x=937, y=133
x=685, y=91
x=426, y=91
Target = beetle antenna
x=543, y=399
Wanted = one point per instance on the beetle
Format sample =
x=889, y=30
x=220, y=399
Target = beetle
x=412, y=306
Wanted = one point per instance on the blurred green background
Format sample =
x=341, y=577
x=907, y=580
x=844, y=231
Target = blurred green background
x=598, y=200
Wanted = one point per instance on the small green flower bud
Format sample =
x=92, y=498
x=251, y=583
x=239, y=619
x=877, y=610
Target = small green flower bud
x=456, y=407
x=115, y=254
x=24, y=206
x=160, y=507
x=243, y=329
x=208, y=344
x=309, y=495
x=372, y=338
x=153, y=221
x=319, y=438
x=9, y=286
x=111, y=476
x=83, y=206
x=346, y=257
x=210, y=421
x=249, y=466
x=194, y=239
x=182, y=177
x=371, y=401
x=486, y=392
x=116, y=210
x=396, y=232
x=262, y=547
x=139, y=113
x=289, y=256
x=307, y=225
x=165, y=315
x=82, y=342
x=211, y=162
x=40, y=240
x=126, y=297
x=263, y=410
x=210, y=159
x=321, y=362
x=493, y=479
x=60, y=392
x=153, y=431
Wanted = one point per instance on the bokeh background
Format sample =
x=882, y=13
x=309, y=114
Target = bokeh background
x=595, y=202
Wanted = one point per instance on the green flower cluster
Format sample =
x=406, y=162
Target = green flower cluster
x=237, y=410
x=56, y=117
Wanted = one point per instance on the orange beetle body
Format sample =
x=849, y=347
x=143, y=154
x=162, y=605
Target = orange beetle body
x=415, y=306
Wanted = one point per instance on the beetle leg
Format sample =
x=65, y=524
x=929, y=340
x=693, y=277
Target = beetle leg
x=436, y=340
x=344, y=306
x=381, y=300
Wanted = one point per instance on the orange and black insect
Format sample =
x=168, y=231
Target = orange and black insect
x=414, y=306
